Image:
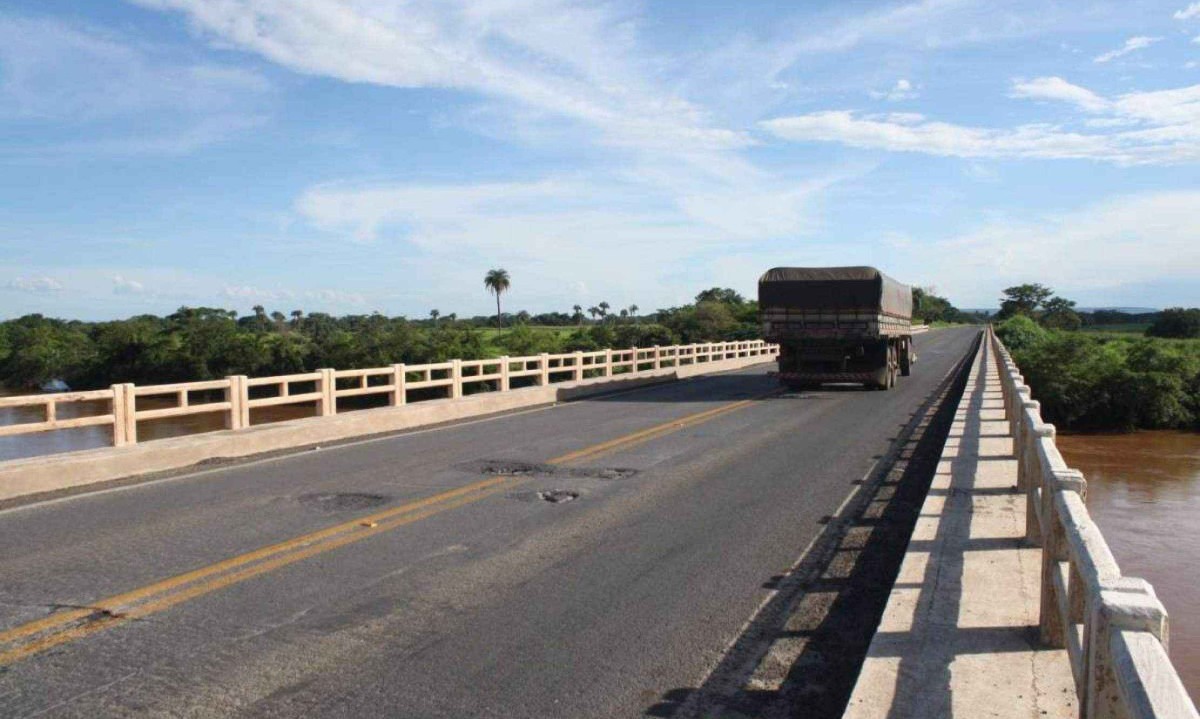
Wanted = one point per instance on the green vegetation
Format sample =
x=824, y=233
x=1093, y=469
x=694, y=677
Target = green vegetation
x=1176, y=322
x=197, y=343
x=1092, y=371
x=935, y=311
x=1090, y=381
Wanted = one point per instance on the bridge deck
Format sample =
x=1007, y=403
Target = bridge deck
x=422, y=575
x=959, y=637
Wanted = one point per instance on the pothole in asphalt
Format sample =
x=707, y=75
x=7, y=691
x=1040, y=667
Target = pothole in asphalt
x=517, y=468
x=557, y=496
x=512, y=468
x=553, y=496
x=337, y=501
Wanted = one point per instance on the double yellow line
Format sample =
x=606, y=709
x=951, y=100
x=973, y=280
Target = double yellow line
x=64, y=626
x=71, y=624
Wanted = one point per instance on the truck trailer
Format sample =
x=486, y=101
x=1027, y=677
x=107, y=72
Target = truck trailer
x=837, y=324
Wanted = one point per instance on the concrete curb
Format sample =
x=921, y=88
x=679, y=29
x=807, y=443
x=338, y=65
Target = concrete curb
x=50, y=473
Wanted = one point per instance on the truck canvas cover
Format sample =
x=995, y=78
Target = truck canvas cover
x=834, y=289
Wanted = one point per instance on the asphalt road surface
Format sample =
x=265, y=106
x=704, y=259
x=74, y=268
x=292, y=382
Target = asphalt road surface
x=429, y=574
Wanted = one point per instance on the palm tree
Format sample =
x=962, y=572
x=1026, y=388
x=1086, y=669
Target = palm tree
x=433, y=315
x=578, y=314
x=604, y=310
x=296, y=315
x=594, y=311
x=633, y=312
x=496, y=282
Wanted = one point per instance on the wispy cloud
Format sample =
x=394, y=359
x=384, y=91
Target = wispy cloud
x=1189, y=12
x=1058, y=89
x=36, y=283
x=1120, y=241
x=1159, y=127
x=902, y=90
x=574, y=62
x=125, y=286
x=94, y=82
x=1132, y=44
x=323, y=297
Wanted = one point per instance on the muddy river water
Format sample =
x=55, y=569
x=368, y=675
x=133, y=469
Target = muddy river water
x=1144, y=493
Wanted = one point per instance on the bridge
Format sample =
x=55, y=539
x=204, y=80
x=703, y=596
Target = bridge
x=637, y=532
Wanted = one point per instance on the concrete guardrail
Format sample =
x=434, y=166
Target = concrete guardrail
x=1113, y=626
x=326, y=386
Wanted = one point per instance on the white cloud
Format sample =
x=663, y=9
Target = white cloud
x=634, y=238
x=1056, y=88
x=902, y=90
x=554, y=56
x=1123, y=241
x=125, y=286
x=59, y=73
x=1188, y=12
x=36, y=283
x=1134, y=43
x=249, y=292
x=1158, y=127
x=336, y=297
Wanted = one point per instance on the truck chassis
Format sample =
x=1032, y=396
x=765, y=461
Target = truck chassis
x=824, y=347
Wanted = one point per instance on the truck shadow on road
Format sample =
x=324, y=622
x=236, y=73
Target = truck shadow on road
x=800, y=655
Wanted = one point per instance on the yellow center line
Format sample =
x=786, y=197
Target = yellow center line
x=69, y=625
x=168, y=600
x=658, y=430
x=166, y=585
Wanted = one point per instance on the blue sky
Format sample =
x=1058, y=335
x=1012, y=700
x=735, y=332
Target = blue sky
x=355, y=155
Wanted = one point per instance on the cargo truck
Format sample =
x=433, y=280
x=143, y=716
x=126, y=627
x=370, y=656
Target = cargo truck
x=837, y=324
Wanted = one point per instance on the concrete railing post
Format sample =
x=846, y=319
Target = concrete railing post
x=1016, y=417
x=399, y=381
x=1054, y=551
x=237, y=395
x=633, y=368
x=327, y=385
x=1035, y=484
x=656, y=357
x=544, y=365
x=504, y=370
x=608, y=368
x=578, y=359
x=129, y=413
x=118, y=409
x=1127, y=603
x=456, y=379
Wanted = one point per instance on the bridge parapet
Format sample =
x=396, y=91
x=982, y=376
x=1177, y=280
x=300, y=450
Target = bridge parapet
x=1114, y=628
x=233, y=397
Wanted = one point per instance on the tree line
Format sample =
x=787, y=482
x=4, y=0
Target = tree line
x=1104, y=381
x=1040, y=304
x=198, y=343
